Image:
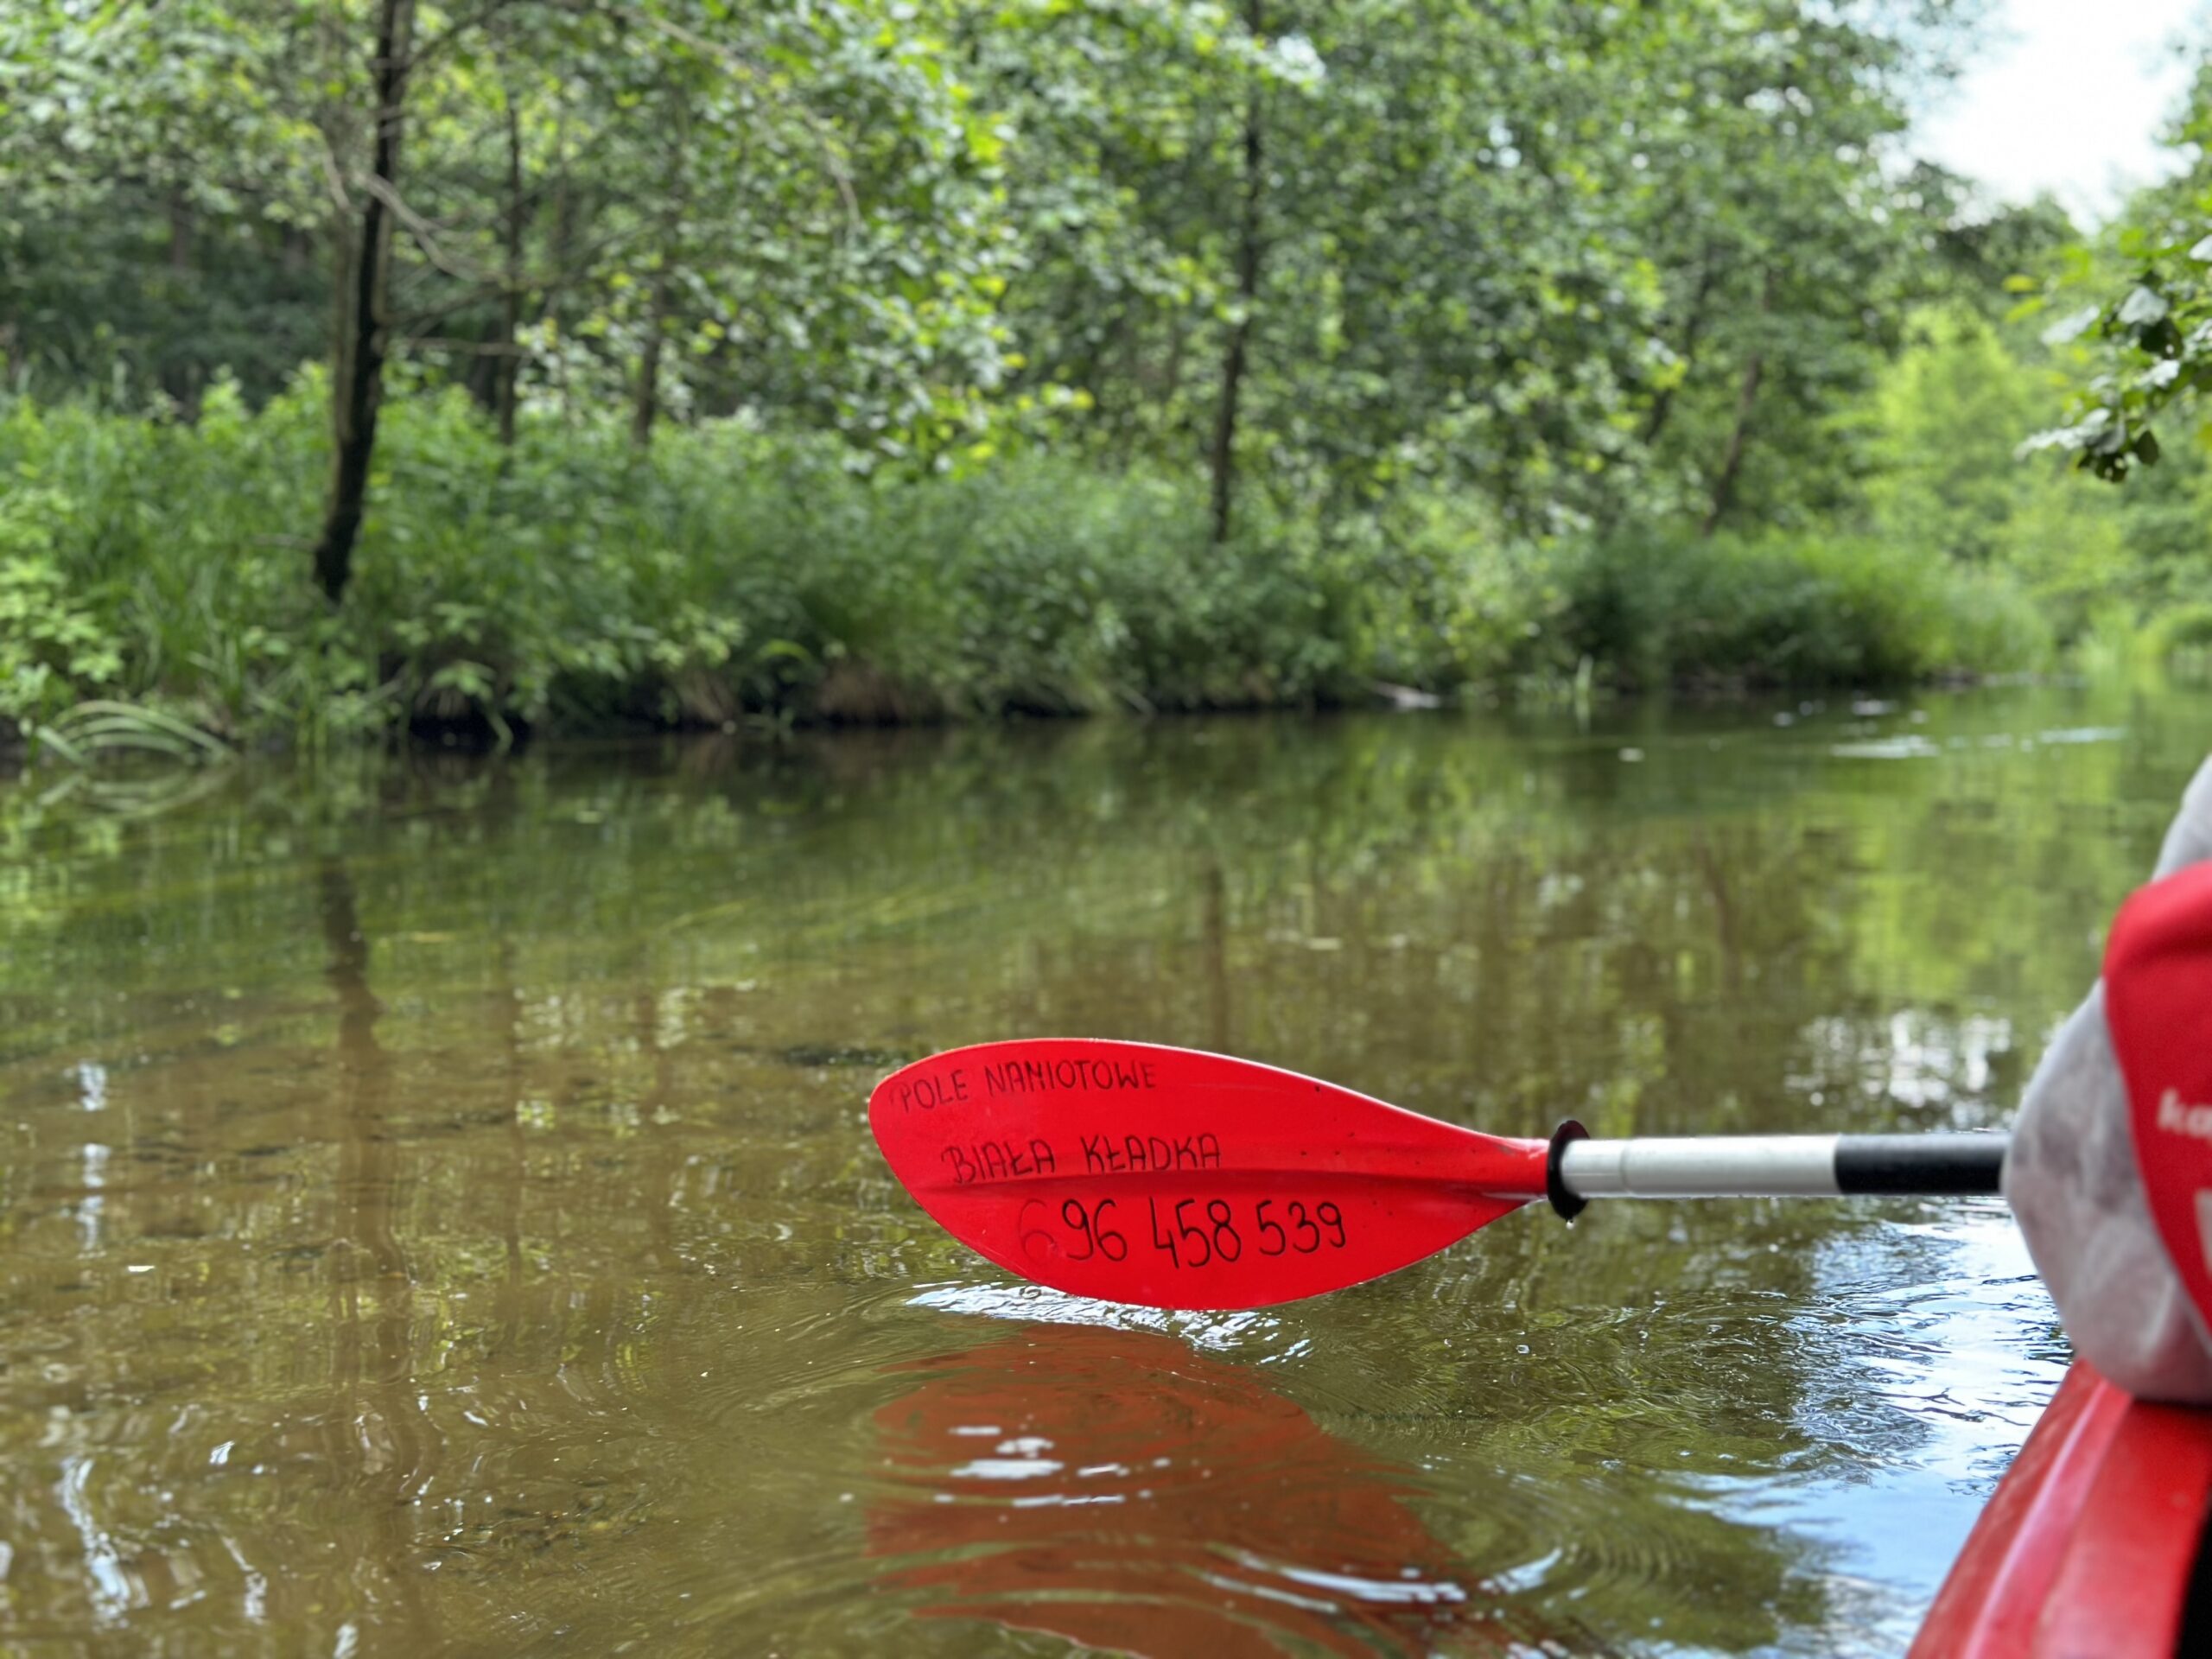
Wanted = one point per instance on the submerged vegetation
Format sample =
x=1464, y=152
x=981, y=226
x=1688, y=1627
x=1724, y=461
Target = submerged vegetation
x=670, y=362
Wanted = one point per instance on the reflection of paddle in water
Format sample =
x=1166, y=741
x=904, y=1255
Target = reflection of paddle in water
x=1123, y=1492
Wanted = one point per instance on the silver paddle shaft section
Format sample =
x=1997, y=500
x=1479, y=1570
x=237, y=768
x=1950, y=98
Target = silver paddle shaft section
x=1772, y=1166
x=1707, y=1166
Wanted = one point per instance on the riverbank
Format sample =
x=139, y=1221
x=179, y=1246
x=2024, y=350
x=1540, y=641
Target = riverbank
x=573, y=583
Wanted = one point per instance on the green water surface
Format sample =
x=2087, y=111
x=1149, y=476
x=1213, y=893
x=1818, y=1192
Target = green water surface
x=437, y=1213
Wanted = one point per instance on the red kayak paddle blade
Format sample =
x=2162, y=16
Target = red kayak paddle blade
x=2158, y=1008
x=1174, y=1179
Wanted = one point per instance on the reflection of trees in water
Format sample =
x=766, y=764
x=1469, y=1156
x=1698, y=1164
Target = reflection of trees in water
x=653, y=1075
x=378, y=1433
x=1213, y=891
x=1067, y=839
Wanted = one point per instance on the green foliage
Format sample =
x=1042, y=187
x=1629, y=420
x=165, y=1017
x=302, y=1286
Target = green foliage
x=1940, y=428
x=573, y=581
x=53, y=649
x=158, y=178
x=1529, y=251
x=872, y=360
x=102, y=727
x=2155, y=334
x=1795, y=611
x=2144, y=299
x=1791, y=250
x=2186, y=629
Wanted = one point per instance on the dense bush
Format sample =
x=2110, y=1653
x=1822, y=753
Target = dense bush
x=574, y=581
x=1789, y=611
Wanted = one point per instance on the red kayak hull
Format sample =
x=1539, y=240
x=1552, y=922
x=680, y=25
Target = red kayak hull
x=2090, y=1545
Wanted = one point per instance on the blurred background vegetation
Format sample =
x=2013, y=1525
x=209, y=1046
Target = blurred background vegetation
x=525, y=364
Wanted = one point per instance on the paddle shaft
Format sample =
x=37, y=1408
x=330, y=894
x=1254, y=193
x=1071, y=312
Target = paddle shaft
x=1770, y=1165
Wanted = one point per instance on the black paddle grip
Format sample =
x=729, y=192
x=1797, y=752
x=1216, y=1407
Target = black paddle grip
x=1929, y=1165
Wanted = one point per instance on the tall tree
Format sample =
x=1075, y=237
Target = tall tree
x=1571, y=260
x=1244, y=292
x=364, y=330
x=1791, y=243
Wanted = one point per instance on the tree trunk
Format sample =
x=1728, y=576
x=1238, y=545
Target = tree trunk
x=181, y=375
x=560, y=236
x=507, y=369
x=364, y=299
x=1662, y=406
x=1747, y=397
x=646, y=402
x=1223, y=458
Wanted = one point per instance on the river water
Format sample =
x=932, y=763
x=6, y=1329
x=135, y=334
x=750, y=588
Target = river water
x=437, y=1212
